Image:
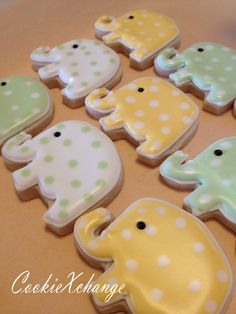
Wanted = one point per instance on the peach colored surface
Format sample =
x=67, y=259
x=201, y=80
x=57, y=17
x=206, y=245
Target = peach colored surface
x=25, y=243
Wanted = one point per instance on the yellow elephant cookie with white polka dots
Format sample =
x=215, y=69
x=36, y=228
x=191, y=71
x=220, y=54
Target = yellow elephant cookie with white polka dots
x=156, y=115
x=166, y=259
x=140, y=33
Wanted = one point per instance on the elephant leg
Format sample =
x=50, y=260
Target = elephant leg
x=228, y=209
x=26, y=177
x=181, y=76
x=48, y=71
x=202, y=200
x=218, y=95
x=150, y=147
x=112, y=121
x=59, y=211
x=140, y=53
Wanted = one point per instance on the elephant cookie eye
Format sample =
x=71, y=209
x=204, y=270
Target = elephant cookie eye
x=75, y=46
x=3, y=83
x=200, y=49
x=141, y=225
x=218, y=152
x=57, y=134
x=131, y=17
x=140, y=89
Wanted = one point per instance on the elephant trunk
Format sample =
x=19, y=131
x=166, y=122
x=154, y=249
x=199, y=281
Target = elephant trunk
x=169, y=60
x=104, y=25
x=90, y=239
x=19, y=149
x=175, y=170
x=42, y=55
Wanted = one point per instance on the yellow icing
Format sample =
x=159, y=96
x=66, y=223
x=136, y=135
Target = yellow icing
x=156, y=117
x=172, y=266
x=147, y=32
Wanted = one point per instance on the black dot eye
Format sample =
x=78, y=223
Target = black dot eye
x=141, y=225
x=3, y=83
x=140, y=89
x=131, y=17
x=57, y=134
x=200, y=49
x=75, y=46
x=218, y=152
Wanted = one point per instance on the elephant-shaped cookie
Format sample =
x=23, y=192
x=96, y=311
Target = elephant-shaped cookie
x=25, y=104
x=152, y=112
x=205, y=69
x=142, y=34
x=74, y=165
x=167, y=258
x=77, y=66
x=213, y=174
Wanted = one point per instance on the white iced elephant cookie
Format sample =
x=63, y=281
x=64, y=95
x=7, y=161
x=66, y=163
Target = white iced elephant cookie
x=78, y=66
x=74, y=165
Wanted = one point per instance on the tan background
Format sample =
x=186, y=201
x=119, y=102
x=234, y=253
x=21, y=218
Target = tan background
x=25, y=243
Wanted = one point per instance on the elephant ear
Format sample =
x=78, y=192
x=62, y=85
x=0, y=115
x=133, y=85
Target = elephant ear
x=104, y=25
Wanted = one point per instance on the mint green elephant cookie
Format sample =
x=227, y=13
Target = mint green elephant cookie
x=213, y=174
x=25, y=104
x=209, y=67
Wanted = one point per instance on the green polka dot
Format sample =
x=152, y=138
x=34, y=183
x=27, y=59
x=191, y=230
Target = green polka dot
x=75, y=74
x=87, y=53
x=97, y=73
x=48, y=158
x=45, y=69
x=63, y=214
x=84, y=83
x=74, y=64
x=70, y=86
x=49, y=180
x=96, y=144
x=67, y=142
x=102, y=164
x=25, y=172
x=44, y=140
x=75, y=183
x=64, y=202
x=88, y=197
x=106, y=51
x=83, y=47
x=69, y=53
x=61, y=126
x=73, y=163
x=100, y=182
x=85, y=129
x=112, y=60
x=97, y=43
x=61, y=47
x=24, y=149
x=57, y=62
x=10, y=146
x=93, y=62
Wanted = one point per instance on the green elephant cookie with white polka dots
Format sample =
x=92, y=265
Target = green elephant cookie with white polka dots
x=74, y=165
x=78, y=66
x=207, y=69
x=25, y=104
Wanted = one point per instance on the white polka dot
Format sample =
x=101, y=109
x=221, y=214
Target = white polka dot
x=28, y=83
x=209, y=47
x=187, y=119
x=148, y=39
x=114, y=116
x=133, y=37
x=211, y=306
x=130, y=99
x=198, y=247
x=184, y=106
x=227, y=182
x=216, y=162
x=226, y=145
x=111, y=100
x=126, y=30
x=139, y=113
x=180, y=223
x=157, y=24
x=153, y=88
x=14, y=108
x=195, y=286
x=126, y=234
x=164, y=117
x=207, y=77
x=142, y=33
x=17, y=119
x=153, y=103
x=221, y=92
x=165, y=130
x=215, y=60
x=131, y=265
x=82, y=224
x=205, y=199
x=93, y=244
x=161, y=210
x=144, y=50
x=97, y=102
x=112, y=281
x=35, y=95
x=222, y=275
x=140, y=23
x=36, y=110
x=132, y=86
x=151, y=230
x=228, y=68
x=7, y=93
x=163, y=261
x=175, y=92
x=142, y=210
x=102, y=211
x=222, y=79
x=198, y=59
x=139, y=125
x=226, y=49
x=234, y=57
x=189, y=169
x=156, y=144
x=156, y=294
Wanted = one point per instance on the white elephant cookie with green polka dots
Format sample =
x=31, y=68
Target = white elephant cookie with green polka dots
x=206, y=69
x=74, y=166
x=213, y=176
x=78, y=66
x=25, y=104
x=165, y=260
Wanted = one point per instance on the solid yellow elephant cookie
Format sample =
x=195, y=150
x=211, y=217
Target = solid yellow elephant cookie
x=140, y=33
x=156, y=115
x=168, y=260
